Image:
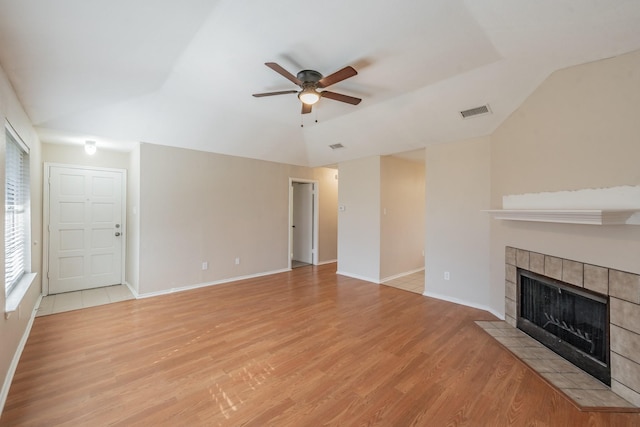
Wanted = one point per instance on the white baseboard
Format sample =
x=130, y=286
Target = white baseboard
x=327, y=262
x=4, y=393
x=357, y=276
x=133, y=291
x=464, y=302
x=397, y=276
x=204, y=285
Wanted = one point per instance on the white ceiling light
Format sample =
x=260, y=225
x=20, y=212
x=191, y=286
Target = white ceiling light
x=309, y=95
x=90, y=147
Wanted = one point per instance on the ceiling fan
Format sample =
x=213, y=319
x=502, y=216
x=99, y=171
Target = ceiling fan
x=310, y=81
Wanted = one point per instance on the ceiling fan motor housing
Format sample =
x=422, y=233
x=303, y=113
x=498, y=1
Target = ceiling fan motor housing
x=309, y=76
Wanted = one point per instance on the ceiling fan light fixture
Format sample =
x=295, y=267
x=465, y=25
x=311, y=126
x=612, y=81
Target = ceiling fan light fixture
x=309, y=96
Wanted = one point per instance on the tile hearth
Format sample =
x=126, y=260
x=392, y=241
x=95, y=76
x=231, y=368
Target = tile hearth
x=584, y=390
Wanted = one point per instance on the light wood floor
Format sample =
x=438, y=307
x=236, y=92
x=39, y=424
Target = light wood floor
x=305, y=348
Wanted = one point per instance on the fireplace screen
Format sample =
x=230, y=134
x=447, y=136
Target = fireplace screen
x=571, y=322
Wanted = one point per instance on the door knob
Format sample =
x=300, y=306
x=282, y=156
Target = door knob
x=117, y=233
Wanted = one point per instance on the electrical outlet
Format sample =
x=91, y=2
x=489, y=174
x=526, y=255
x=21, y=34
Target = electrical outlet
x=237, y=260
x=446, y=275
x=205, y=265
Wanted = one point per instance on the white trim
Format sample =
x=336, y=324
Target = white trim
x=4, y=393
x=206, y=284
x=45, y=217
x=331, y=261
x=16, y=136
x=357, y=276
x=316, y=218
x=464, y=302
x=16, y=295
x=397, y=276
x=133, y=291
x=595, y=206
x=571, y=216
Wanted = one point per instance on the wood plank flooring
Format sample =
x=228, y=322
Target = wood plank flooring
x=305, y=348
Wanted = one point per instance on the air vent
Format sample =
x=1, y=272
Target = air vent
x=336, y=146
x=478, y=111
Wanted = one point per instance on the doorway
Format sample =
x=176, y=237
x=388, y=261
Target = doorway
x=303, y=224
x=85, y=228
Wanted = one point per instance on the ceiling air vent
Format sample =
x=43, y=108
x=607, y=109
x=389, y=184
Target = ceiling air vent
x=477, y=111
x=336, y=146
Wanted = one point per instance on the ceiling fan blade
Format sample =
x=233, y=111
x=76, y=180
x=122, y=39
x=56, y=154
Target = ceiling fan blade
x=338, y=76
x=278, y=69
x=306, y=108
x=340, y=97
x=282, y=92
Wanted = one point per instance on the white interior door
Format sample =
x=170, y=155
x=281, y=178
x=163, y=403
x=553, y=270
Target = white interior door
x=303, y=222
x=85, y=228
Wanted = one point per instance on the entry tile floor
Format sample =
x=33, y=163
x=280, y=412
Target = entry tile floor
x=412, y=282
x=585, y=391
x=68, y=301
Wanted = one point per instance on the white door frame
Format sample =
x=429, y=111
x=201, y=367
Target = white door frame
x=314, y=249
x=45, y=217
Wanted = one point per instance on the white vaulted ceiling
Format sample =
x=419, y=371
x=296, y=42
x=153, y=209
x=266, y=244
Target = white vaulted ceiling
x=182, y=73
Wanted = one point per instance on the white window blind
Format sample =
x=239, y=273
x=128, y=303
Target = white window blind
x=17, y=221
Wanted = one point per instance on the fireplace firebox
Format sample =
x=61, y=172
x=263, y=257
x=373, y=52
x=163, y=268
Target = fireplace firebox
x=572, y=322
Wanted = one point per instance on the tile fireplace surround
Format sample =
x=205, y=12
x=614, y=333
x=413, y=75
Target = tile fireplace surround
x=623, y=290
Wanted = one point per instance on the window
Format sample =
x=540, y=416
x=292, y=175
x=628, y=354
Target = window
x=16, y=209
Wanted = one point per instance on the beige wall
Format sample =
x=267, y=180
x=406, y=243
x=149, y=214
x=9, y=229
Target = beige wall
x=196, y=207
x=381, y=229
x=75, y=155
x=13, y=329
x=246, y=171
x=359, y=223
x=402, y=199
x=579, y=129
x=457, y=232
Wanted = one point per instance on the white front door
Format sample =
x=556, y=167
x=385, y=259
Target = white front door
x=85, y=228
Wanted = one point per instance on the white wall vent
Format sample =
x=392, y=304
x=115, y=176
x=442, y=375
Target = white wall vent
x=336, y=146
x=477, y=111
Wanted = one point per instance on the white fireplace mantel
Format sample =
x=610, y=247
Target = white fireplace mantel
x=570, y=216
x=602, y=206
